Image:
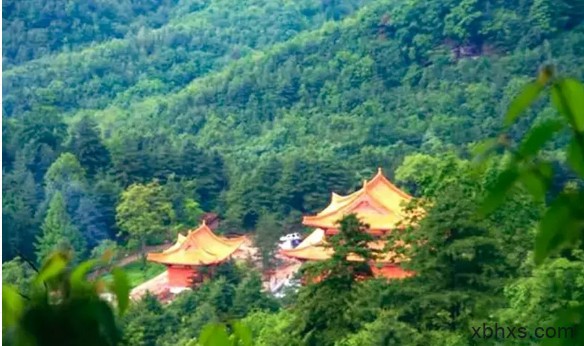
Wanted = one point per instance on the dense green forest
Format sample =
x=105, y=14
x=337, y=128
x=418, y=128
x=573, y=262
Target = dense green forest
x=124, y=121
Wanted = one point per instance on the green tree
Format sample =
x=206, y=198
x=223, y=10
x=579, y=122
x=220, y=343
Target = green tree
x=144, y=213
x=20, y=200
x=551, y=288
x=387, y=329
x=19, y=274
x=145, y=322
x=65, y=171
x=458, y=260
x=323, y=312
x=85, y=142
x=40, y=137
x=249, y=296
x=59, y=232
x=267, y=235
x=183, y=196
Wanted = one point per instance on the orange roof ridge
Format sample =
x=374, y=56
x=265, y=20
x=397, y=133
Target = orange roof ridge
x=335, y=206
x=380, y=177
x=379, y=190
x=335, y=197
x=345, y=205
x=200, y=247
x=348, y=201
x=320, y=252
x=224, y=240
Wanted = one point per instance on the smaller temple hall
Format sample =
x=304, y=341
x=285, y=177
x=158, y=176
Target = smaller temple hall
x=378, y=204
x=200, y=248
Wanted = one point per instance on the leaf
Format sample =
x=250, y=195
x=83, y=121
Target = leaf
x=482, y=149
x=121, y=287
x=570, y=320
x=546, y=73
x=214, y=334
x=107, y=255
x=575, y=157
x=539, y=135
x=553, y=229
x=497, y=193
x=535, y=184
x=78, y=274
x=546, y=169
x=243, y=334
x=525, y=98
x=568, y=97
x=12, y=305
x=52, y=267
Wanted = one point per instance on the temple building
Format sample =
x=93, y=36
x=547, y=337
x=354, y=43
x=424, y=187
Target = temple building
x=378, y=204
x=195, y=255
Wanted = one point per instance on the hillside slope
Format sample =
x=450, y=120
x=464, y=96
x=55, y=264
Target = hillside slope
x=353, y=89
x=154, y=60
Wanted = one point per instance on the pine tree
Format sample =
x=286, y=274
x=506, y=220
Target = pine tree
x=18, y=204
x=65, y=171
x=268, y=231
x=106, y=192
x=458, y=261
x=58, y=232
x=323, y=313
x=90, y=221
x=85, y=142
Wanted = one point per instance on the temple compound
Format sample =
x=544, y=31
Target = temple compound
x=193, y=257
x=378, y=204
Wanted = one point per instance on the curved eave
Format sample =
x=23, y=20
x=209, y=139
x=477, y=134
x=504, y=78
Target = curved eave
x=200, y=258
x=199, y=247
x=379, y=177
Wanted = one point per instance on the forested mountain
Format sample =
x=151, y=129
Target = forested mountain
x=198, y=38
x=257, y=110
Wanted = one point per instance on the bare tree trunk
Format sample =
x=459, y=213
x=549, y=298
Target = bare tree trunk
x=143, y=252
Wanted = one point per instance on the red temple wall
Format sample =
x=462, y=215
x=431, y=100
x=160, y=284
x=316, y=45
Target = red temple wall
x=374, y=232
x=390, y=271
x=180, y=276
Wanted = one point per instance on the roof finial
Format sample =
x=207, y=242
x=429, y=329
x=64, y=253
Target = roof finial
x=364, y=182
x=204, y=222
x=379, y=170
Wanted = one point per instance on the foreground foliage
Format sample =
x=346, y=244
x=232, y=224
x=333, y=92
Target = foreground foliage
x=62, y=308
x=561, y=227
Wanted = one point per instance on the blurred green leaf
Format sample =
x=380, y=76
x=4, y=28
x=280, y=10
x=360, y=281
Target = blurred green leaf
x=497, y=193
x=52, y=267
x=576, y=157
x=121, y=288
x=12, y=305
x=546, y=169
x=107, y=255
x=525, y=98
x=568, y=97
x=535, y=184
x=79, y=273
x=552, y=232
x=538, y=136
x=214, y=334
x=568, y=318
x=243, y=334
x=482, y=149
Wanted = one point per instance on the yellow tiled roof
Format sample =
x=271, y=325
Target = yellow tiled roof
x=387, y=200
x=199, y=247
